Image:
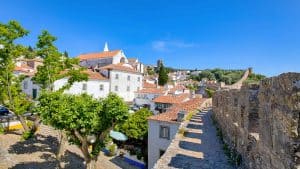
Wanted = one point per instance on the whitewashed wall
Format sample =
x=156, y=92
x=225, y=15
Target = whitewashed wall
x=93, y=87
x=28, y=86
x=155, y=143
x=145, y=98
x=122, y=82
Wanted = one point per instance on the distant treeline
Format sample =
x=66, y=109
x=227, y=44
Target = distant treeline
x=227, y=76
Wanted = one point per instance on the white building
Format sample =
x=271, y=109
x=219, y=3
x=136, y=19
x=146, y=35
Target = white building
x=124, y=80
x=161, y=131
x=97, y=85
x=28, y=86
x=100, y=59
x=138, y=66
x=145, y=97
x=163, y=128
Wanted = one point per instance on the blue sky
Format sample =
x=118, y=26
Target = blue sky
x=263, y=34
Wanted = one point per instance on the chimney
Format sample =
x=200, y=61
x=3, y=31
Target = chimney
x=180, y=116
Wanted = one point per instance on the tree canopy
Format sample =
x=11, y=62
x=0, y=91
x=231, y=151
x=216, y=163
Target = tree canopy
x=136, y=126
x=162, y=75
x=82, y=116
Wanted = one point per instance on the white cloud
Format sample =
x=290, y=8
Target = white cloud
x=163, y=46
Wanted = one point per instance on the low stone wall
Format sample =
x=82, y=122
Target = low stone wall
x=262, y=122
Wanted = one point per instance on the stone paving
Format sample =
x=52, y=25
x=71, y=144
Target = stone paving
x=199, y=148
x=39, y=153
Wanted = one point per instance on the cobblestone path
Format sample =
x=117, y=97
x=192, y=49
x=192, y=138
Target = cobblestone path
x=199, y=148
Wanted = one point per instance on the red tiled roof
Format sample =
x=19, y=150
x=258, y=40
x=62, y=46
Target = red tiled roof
x=172, y=99
x=178, y=87
x=120, y=67
x=152, y=90
x=25, y=69
x=91, y=74
x=105, y=54
x=94, y=75
x=149, y=85
x=171, y=114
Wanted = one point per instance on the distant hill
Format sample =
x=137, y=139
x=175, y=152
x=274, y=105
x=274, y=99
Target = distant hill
x=227, y=76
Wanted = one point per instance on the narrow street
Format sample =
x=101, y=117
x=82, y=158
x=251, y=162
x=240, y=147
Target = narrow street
x=199, y=148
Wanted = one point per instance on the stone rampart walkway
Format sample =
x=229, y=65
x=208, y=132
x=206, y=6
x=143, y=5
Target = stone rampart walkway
x=198, y=148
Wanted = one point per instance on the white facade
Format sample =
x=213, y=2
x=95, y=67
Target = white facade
x=103, y=61
x=29, y=88
x=95, y=88
x=125, y=84
x=142, y=99
x=156, y=144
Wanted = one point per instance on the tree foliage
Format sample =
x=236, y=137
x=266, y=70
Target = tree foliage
x=227, y=76
x=10, y=91
x=136, y=126
x=81, y=116
x=162, y=75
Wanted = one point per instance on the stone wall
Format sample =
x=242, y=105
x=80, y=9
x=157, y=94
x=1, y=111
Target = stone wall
x=262, y=121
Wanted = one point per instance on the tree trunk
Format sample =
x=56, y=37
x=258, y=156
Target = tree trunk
x=36, y=124
x=91, y=164
x=61, y=146
x=23, y=122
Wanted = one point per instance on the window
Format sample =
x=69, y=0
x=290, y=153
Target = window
x=235, y=102
x=161, y=152
x=116, y=88
x=25, y=85
x=139, y=79
x=84, y=86
x=128, y=78
x=101, y=87
x=164, y=132
x=128, y=88
x=117, y=76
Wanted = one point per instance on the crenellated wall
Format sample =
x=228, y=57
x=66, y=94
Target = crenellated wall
x=262, y=122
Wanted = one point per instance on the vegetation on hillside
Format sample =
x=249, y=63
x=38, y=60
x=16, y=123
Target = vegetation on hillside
x=227, y=76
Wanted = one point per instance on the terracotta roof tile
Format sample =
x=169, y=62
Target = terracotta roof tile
x=152, y=90
x=106, y=54
x=120, y=67
x=25, y=69
x=171, y=114
x=172, y=99
x=149, y=85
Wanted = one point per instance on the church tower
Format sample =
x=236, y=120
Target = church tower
x=105, y=47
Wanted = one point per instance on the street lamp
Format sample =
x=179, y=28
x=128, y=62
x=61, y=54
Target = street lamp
x=91, y=139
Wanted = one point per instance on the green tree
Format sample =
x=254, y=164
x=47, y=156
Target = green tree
x=83, y=117
x=10, y=91
x=136, y=126
x=162, y=75
x=206, y=74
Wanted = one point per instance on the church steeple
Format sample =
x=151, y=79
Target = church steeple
x=105, y=47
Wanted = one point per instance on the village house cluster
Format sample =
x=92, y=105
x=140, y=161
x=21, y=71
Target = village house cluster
x=111, y=71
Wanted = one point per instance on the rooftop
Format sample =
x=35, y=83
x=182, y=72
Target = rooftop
x=121, y=67
x=171, y=114
x=172, y=99
x=104, y=54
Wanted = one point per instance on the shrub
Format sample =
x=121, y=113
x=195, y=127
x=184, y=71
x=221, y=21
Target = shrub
x=112, y=149
x=189, y=116
x=27, y=135
x=1, y=129
x=181, y=131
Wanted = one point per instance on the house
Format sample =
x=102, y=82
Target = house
x=124, y=80
x=145, y=96
x=138, y=66
x=100, y=59
x=97, y=85
x=28, y=86
x=164, y=102
x=163, y=127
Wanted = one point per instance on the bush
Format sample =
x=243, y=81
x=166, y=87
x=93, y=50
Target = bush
x=27, y=135
x=189, y=116
x=112, y=149
x=181, y=131
x=1, y=129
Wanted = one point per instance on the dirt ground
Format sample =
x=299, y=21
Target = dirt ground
x=39, y=153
